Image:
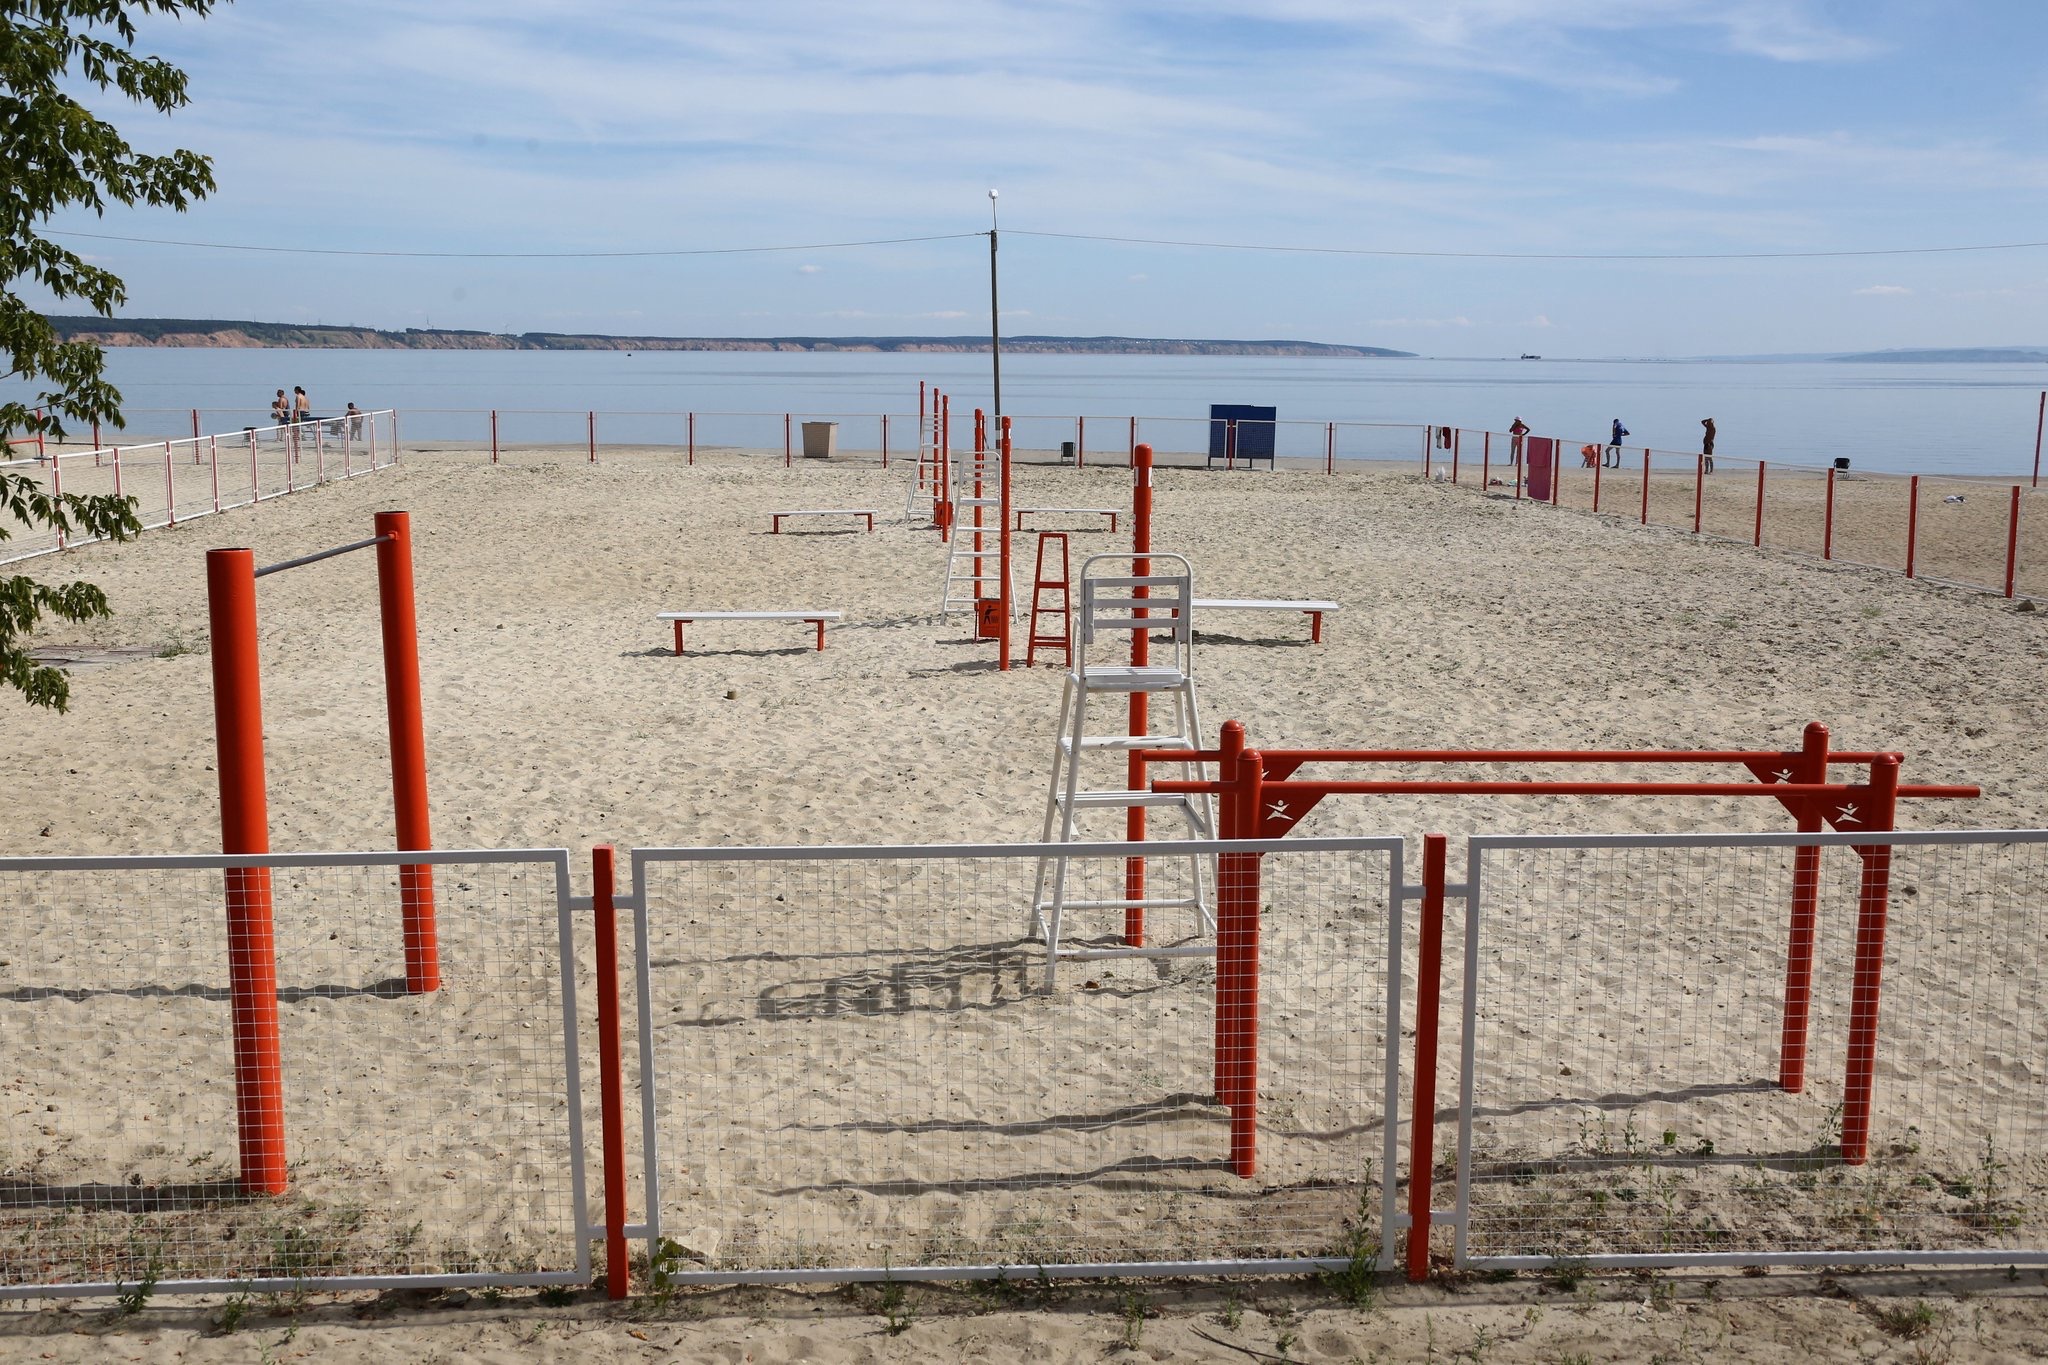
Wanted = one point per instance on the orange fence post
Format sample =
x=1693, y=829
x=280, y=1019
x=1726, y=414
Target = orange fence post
x=1003, y=589
x=885, y=440
x=408, y=747
x=1646, y=483
x=2040, y=414
x=1811, y=767
x=1827, y=524
x=1329, y=447
x=593, y=437
x=494, y=435
x=1486, y=461
x=2012, y=541
x=1457, y=443
x=1759, y=540
x=1141, y=648
x=1134, y=441
x=245, y=828
x=1230, y=824
x=1429, y=973
x=785, y=441
x=1699, y=491
x=1863, y=996
x=1237, y=963
x=618, y=1271
x=1596, y=478
x=1912, y=522
x=1080, y=443
x=690, y=435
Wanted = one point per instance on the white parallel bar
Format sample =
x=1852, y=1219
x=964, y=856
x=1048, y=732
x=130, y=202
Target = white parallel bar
x=1162, y=848
x=1092, y=954
x=1985, y=1256
x=1073, y=1271
x=328, y=1284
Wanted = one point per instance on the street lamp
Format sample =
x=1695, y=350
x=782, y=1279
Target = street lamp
x=995, y=333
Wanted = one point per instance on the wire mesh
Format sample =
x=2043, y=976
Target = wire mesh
x=425, y=1135
x=1630, y=1003
x=857, y=1063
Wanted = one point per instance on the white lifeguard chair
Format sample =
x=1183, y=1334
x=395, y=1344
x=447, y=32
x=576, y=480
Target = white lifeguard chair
x=1111, y=606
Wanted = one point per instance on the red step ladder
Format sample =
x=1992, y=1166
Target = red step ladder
x=1057, y=589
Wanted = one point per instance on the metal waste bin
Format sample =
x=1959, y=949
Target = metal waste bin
x=1066, y=452
x=1842, y=463
x=821, y=440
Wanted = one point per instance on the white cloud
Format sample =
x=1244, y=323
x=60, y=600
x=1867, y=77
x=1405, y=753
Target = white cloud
x=1884, y=289
x=1139, y=278
x=810, y=270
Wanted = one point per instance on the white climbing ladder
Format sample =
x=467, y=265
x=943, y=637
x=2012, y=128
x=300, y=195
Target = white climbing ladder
x=1112, y=607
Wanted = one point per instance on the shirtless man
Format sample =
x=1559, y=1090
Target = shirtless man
x=302, y=407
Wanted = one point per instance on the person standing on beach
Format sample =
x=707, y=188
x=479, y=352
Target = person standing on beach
x=1707, y=444
x=302, y=407
x=355, y=419
x=280, y=413
x=1516, y=430
x=1614, y=440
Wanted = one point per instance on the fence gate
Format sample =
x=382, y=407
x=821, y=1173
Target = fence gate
x=850, y=1067
x=430, y=1139
x=1626, y=1032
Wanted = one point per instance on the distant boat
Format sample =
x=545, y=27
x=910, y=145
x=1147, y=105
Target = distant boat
x=1527, y=356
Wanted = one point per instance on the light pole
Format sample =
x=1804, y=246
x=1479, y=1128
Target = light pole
x=995, y=331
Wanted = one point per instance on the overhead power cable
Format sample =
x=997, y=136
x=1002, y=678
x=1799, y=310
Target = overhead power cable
x=1535, y=255
x=513, y=255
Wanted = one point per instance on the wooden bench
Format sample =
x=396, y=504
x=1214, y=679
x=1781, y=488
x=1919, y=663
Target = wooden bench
x=682, y=618
x=1109, y=512
x=1312, y=609
x=776, y=517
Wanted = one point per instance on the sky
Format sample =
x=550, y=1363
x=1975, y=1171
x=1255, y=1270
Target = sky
x=1467, y=128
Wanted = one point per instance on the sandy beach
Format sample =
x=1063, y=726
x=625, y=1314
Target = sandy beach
x=558, y=716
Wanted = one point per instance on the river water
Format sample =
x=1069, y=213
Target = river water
x=1932, y=418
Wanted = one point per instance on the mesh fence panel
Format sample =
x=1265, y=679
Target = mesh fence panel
x=1629, y=1007
x=858, y=1064
x=425, y=1134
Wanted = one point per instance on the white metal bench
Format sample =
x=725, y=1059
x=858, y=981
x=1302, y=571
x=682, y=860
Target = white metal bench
x=1313, y=609
x=776, y=517
x=1023, y=512
x=682, y=618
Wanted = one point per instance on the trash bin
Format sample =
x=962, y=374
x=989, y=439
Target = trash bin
x=1842, y=463
x=1066, y=452
x=821, y=440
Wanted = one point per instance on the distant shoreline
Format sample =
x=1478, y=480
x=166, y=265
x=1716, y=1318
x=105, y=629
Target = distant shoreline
x=242, y=335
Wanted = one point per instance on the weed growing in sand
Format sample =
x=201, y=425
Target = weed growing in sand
x=132, y=1298
x=1233, y=1311
x=893, y=1303
x=1907, y=1322
x=176, y=645
x=231, y=1313
x=1358, y=1282
x=1831, y=1132
x=1136, y=1310
x=1285, y=1343
x=1565, y=1273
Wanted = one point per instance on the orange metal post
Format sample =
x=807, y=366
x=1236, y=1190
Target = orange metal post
x=1003, y=588
x=1646, y=483
x=494, y=435
x=1329, y=447
x=2040, y=414
x=408, y=747
x=1912, y=522
x=1699, y=491
x=690, y=429
x=1811, y=767
x=1141, y=653
x=1827, y=525
x=1080, y=443
x=592, y=418
x=943, y=512
x=1230, y=824
x=1596, y=478
x=785, y=441
x=245, y=828
x=1486, y=461
x=885, y=441
x=1863, y=996
x=195, y=434
x=1428, y=450
x=1429, y=974
x=1759, y=540
x=2012, y=541
x=1457, y=441
x=1134, y=441
x=1241, y=913
x=618, y=1271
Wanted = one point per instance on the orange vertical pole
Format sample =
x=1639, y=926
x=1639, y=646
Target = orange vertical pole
x=690, y=435
x=1241, y=912
x=885, y=441
x=1428, y=450
x=1827, y=525
x=1646, y=481
x=2012, y=542
x=592, y=417
x=1231, y=823
x=494, y=435
x=195, y=435
x=1486, y=462
x=1870, y=929
x=1912, y=522
x=1759, y=539
x=943, y=513
x=1699, y=491
x=618, y=1271
x=1003, y=588
x=1457, y=443
x=1429, y=975
x=1811, y=767
x=1080, y=442
x=1141, y=653
x=1329, y=447
x=1553, y=457
x=408, y=747
x=2040, y=414
x=245, y=828
x=1134, y=441
x=785, y=441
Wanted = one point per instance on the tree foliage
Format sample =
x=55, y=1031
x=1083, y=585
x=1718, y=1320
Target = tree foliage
x=55, y=154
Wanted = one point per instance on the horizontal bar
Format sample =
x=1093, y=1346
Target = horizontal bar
x=558, y=857
x=1558, y=755
x=319, y=555
x=1271, y=791
x=1076, y=1271
x=1985, y=1256
x=1480, y=843
x=322, y=1284
x=1163, y=848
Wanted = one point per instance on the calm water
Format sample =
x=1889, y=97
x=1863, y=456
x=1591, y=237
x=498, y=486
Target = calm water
x=1977, y=419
